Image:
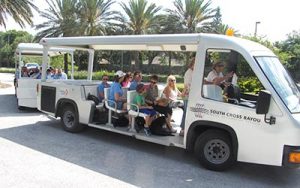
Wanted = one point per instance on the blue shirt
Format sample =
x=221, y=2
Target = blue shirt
x=133, y=85
x=115, y=88
x=62, y=76
x=101, y=89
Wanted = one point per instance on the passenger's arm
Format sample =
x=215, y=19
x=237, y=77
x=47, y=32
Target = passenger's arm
x=119, y=98
x=101, y=94
x=139, y=104
x=219, y=80
x=166, y=92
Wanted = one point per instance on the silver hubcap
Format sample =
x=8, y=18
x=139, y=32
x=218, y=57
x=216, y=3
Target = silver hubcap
x=69, y=119
x=216, y=151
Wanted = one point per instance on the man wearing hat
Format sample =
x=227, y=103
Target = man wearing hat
x=216, y=75
x=116, y=92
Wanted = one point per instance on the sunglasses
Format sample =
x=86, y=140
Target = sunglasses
x=153, y=82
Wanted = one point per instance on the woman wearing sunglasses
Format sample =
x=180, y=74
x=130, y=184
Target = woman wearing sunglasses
x=171, y=91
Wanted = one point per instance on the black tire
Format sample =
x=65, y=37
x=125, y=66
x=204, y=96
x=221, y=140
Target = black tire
x=21, y=108
x=214, y=150
x=70, y=121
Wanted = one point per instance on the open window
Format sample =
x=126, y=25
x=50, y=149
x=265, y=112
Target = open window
x=229, y=78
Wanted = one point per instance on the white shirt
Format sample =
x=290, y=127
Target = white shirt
x=188, y=78
x=212, y=75
x=64, y=76
x=188, y=81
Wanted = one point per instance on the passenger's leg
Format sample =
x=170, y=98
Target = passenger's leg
x=147, y=125
x=182, y=125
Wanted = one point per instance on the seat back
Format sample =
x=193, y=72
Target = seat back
x=91, y=89
x=160, y=90
x=106, y=94
x=130, y=97
x=125, y=89
x=213, y=92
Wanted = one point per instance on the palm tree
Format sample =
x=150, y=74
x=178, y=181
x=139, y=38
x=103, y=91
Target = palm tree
x=61, y=22
x=190, y=15
x=96, y=18
x=142, y=18
x=61, y=19
x=19, y=10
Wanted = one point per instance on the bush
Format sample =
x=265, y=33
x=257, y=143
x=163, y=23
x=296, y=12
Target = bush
x=249, y=84
x=7, y=70
x=79, y=75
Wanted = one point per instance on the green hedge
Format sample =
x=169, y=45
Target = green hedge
x=7, y=70
x=98, y=76
x=249, y=84
x=246, y=84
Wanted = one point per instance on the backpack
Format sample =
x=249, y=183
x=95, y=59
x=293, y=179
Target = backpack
x=157, y=127
x=139, y=124
x=119, y=121
x=93, y=98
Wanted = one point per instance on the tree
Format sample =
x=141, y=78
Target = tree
x=191, y=15
x=19, y=10
x=142, y=18
x=61, y=21
x=289, y=51
x=8, y=42
x=96, y=18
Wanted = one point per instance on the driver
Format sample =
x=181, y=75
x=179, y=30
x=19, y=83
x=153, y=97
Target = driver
x=216, y=75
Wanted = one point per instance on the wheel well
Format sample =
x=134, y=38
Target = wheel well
x=61, y=103
x=198, y=127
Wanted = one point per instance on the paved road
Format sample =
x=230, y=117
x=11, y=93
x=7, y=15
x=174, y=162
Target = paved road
x=36, y=152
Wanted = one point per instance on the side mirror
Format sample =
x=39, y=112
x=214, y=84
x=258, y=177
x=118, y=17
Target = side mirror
x=263, y=102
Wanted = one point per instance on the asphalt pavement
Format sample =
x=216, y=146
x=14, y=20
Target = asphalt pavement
x=36, y=152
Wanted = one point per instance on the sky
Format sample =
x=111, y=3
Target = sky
x=277, y=18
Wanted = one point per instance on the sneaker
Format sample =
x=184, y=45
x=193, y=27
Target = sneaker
x=172, y=130
x=147, y=131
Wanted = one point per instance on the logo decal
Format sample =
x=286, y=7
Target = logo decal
x=199, y=110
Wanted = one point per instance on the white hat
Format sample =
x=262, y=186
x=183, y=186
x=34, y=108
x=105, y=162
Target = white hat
x=120, y=73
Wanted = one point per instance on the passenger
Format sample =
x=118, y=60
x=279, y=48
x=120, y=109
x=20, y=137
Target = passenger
x=48, y=74
x=139, y=100
x=116, y=93
x=24, y=72
x=35, y=73
x=216, y=75
x=130, y=78
x=187, y=85
x=171, y=91
x=52, y=72
x=152, y=98
x=101, y=87
x=59, y=74
x=39, y=76
x=127, y=80
x=137, y=78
